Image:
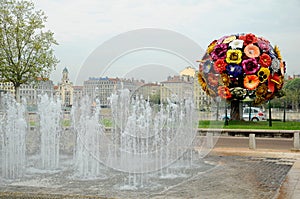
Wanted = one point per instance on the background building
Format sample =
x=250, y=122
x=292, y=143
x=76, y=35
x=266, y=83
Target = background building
x=176, y=88
x=103, y=87
x=65, y=89
x=201, y=100
x=30, y=92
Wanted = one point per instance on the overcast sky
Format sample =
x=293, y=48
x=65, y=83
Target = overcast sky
x=81, y=26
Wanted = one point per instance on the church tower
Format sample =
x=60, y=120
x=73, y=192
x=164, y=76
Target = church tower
x=66, y=89
x=65, y=76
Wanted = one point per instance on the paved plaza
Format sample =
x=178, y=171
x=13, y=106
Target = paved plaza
x=229, y=173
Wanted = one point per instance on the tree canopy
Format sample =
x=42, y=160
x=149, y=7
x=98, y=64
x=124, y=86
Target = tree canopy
x=26, y=47
x=292, y=90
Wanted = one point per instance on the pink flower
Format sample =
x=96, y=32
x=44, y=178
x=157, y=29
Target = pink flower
x=263, y=45
x=219, y=52
x=250, y=66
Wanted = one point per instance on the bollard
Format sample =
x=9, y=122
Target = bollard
x=252, y=143
x=209, y=140
x=296, y=140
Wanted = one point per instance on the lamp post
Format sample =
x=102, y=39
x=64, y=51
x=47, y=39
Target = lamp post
x=226, y=118
x=270, y=113
x=284, y=105
x=218, y=106
x=248, y=101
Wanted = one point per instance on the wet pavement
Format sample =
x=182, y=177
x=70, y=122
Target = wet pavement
x=226, y=174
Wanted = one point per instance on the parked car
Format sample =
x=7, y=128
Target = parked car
x=256, y=114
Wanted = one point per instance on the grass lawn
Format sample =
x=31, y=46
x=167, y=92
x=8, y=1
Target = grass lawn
x=276, y=125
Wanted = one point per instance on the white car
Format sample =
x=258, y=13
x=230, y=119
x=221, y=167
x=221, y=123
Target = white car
x=256, y=114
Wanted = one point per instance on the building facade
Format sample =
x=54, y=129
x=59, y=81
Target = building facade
x=65, y=89
x=176, y=88
x=30, y=92
x=103, y=87
x=201, y=99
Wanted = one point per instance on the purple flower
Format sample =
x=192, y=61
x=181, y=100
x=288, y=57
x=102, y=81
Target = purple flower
x=272, y=53
x=250, y=66
x=234, y=70
x=219, y=52
x=207, y=65
x=264, y=46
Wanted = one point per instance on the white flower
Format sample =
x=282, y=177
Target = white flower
x=275, y=66
x=237, y=43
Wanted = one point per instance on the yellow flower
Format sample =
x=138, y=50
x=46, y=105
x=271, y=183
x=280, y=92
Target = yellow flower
x=211, y=93
x=229, y=39
x=277, y=51
x=261, y=90
x=225, y=79
x=202, y=82
x=211, y=46
x=258, y=100
x=263, y=74
x=234, y=56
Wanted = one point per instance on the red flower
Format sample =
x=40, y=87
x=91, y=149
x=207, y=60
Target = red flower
x=274, y=81
x=224, y=92
x=212, y=79
x=265, y=60
x=220, y=65
x=248, y=39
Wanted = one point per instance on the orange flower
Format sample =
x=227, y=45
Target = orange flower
x=282, y=67
x=252, y=51
x=220, y=65
x=224, y=92
x=265, y=60
x=251, y=82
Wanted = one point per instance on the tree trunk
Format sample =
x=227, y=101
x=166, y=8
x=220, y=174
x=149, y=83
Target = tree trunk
x=235, y=110
x=17, y=94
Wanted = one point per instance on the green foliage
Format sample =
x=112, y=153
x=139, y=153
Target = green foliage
x=293, y=85
x=276, y=125
x=66, y=123
x=292, y=91
x=26, y=47
x=106, y=122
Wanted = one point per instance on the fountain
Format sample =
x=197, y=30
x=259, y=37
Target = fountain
x=49, y=111
x=146, y=148
x=12, y=132
x=88, y=132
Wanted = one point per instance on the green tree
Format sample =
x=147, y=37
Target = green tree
x=26, y=47
x=292, y=90
x=155, y=98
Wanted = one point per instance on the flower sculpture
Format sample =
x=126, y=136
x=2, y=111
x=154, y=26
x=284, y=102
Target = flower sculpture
x=241, y=65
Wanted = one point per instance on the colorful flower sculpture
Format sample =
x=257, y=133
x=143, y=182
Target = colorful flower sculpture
x=241, y=65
